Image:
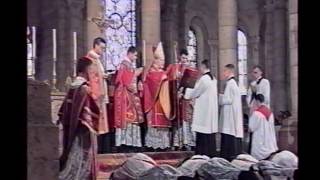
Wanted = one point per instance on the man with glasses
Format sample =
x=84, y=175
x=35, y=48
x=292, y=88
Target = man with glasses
x=260, y=85
x=99, y=88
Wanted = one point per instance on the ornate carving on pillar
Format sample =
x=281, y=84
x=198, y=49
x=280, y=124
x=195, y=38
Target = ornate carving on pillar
x=102, y=22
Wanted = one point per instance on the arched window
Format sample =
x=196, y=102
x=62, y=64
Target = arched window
x=242, y=62
x=122, y=33
x=192, y=46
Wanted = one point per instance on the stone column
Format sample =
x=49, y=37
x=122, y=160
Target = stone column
x=268, y=51
x=150, y=14
x=253, y=56
x=213, y=45
x=279, y=83
x=227, y=22
x=293, y=54
x=94, y=9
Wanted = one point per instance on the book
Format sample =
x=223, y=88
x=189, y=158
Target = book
x=189, y=78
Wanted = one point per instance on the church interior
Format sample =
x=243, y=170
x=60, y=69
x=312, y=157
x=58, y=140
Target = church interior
x=241, y=32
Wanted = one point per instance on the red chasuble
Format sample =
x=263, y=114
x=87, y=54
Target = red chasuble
x=127, y=105
x=157, y=99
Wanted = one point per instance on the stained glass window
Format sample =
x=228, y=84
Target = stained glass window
x=242, y=62
x=192, y=46
x=122, y=33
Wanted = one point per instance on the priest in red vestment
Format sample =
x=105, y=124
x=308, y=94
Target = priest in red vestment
x=127, y=103
x=157, y=103
x=98, y=84
x=79, y=116
x=183, y=108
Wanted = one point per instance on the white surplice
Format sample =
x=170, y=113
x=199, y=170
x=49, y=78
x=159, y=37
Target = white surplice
x=262, y=86
x=205, y=115
x=231, y=117
x=263, y=138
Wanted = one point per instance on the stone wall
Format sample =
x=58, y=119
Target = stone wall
x=66, y=17
x=43, y=135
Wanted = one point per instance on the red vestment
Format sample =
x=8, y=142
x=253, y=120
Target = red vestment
x=157, y=99
x=185, y=107
x=127, y=104
x=265, y=111
x=79, y=116
x=99, y=90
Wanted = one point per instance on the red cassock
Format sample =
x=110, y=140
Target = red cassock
x=157, y=99
x=127, y=106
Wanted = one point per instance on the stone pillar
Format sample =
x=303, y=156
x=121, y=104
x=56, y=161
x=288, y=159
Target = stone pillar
x=150, y=14
x=213, y=45
x=279, y=83
x=43, y=135
x=253, y=56
x=227, y=22
x=169, y=29
x=94, y=9
x=268, y=51
x=293, y=54
x=48, y=21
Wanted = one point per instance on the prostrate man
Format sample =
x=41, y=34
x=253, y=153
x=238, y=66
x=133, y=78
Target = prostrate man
x=259, y=86
x=99, y=88
x=205, y=116
x=182, y=134
x=231, y=116
x=157, y=103
x=261, y=123
x=128, y=110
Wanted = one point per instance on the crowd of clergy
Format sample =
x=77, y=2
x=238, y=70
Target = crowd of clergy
x=176, y=107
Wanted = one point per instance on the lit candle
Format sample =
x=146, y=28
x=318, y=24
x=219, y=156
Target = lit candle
x=54, y=40
x=34, y=45
x=34, y=42
x=74, y=53
x=143, y=53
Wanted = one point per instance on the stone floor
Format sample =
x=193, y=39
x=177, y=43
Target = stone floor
x=110, y=162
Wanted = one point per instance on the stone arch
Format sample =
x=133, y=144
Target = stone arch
x=250, y=26
x=202, y=16
x=201, y=32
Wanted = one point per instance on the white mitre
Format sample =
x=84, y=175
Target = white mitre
x=158, y=53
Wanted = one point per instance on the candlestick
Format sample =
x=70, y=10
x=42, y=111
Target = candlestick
x=54, y=40
x=143, y=53
x=34, y=45
x=74, y=54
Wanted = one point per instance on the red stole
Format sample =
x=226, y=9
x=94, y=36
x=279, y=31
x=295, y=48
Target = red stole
x=265, y=111
x=152, y=105
x=124, y=103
